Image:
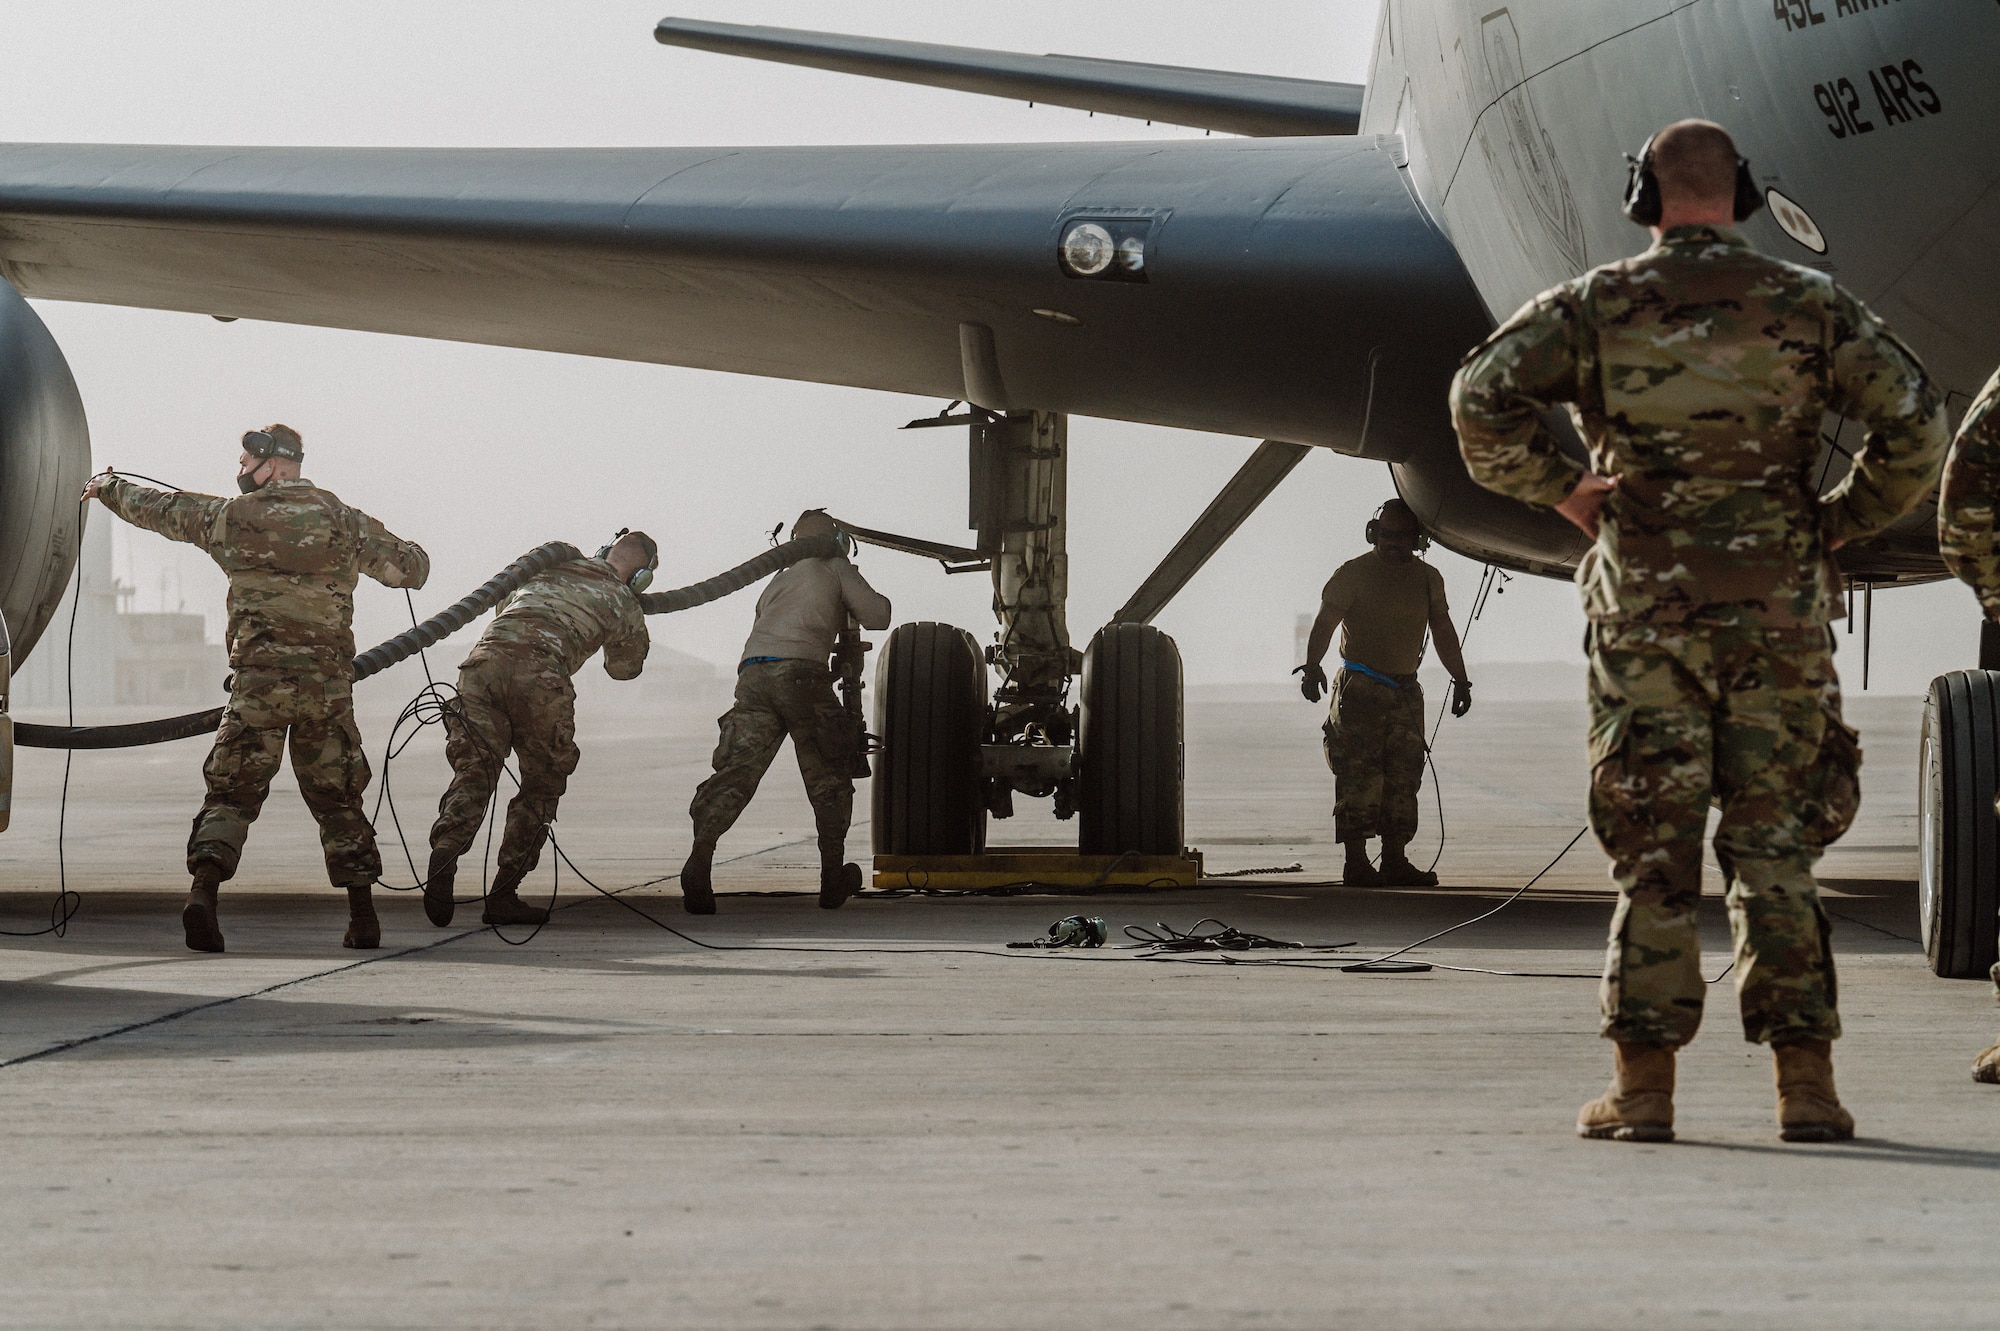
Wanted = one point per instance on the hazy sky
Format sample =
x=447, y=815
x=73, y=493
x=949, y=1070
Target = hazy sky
x=482, y=452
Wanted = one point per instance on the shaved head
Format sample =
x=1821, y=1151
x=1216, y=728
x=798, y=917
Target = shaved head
x=1695, y=162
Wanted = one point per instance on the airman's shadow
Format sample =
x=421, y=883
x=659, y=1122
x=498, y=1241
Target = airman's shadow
x=1881, y=1150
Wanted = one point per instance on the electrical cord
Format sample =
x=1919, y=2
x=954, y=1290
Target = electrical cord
x=66, y=904
x=1377, y=965
x=433, y=706
x=1164, y=938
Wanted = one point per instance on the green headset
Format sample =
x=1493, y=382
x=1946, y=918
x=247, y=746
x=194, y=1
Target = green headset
x=643, y=578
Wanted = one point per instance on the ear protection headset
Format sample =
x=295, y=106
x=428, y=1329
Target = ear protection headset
x=1642, y=188
x=642, y=579
x=264, y=445
x=1373, y=531
x=840, y=533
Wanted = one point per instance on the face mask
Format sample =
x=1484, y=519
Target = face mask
x=248, y=482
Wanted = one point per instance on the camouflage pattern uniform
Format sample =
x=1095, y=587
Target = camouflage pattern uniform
x=1698, y=373
x=1374, y=731
x=514, y=693
x=1968, y=534
x=293, y=553
x=1969, y=538
x=775, y=699
x=1374, y=742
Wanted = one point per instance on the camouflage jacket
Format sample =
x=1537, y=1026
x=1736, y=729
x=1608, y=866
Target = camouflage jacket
x=1697, y=374
x=293, y=553
x=568, y=613
x=1967, y=536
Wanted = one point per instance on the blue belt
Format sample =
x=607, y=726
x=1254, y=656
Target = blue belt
x=756, y=660
x=1375, y=675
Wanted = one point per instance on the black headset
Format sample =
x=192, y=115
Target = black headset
x=840, y=533
x=1374, y=528
x=1642, y=188
x=643, y=578
x=263, y=445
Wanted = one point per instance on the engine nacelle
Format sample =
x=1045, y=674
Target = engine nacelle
x=44, y=462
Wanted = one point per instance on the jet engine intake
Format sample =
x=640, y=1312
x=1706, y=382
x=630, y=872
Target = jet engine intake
x=44, y=461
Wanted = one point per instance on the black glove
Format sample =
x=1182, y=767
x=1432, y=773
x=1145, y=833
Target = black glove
x=1461, y=696
x=1314, y=685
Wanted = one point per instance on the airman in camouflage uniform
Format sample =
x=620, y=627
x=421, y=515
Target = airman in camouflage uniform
x=1698, y=373
x=293, y=553
x=514, y=692
x=783, y=687
x=1969, y=537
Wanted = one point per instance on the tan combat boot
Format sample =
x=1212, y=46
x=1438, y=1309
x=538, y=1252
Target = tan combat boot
x=364, y=927
x=504, y=904
x=198, y=920
x=1986, y=1067
x=1808, y=1108
x=1639, y=1104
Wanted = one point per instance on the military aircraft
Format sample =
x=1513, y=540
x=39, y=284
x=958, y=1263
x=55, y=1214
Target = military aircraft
x=1311, y=279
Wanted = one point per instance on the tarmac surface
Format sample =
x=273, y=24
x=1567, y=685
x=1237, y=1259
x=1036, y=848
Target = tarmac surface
x=882, y=1117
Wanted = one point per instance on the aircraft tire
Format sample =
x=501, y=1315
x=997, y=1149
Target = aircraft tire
x=1130, y=735
x=930, y=710
x=1958, y=832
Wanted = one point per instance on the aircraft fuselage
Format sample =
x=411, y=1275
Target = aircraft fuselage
x=1869, y=121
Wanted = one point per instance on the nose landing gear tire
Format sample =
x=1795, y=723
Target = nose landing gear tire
x=1129, y=792
x=930, y=710
x=1958, y=832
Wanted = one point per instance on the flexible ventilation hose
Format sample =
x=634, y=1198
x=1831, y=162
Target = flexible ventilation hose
x=736, y=579
x=456, y=616
x=438, y=627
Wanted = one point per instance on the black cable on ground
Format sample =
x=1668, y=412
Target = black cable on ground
x=1164, y=938
x=1386, y=964
x=63, y=909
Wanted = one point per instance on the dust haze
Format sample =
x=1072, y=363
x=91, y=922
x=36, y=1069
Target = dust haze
x=481, y=452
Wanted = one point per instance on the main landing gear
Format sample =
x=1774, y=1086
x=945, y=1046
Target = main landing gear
x=1958, y=826
x=1107, y=754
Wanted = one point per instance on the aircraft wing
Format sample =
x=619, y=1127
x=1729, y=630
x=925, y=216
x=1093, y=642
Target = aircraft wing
x=1254, y=104
x=1287, y=288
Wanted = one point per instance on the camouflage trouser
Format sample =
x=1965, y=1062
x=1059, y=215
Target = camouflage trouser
x=316, y=710
x=518, y=701
x=775, y=699
x=1751, y=717
x=1375, y=746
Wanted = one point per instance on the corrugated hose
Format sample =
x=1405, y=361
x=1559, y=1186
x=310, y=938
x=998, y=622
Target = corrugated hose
x=438, y=627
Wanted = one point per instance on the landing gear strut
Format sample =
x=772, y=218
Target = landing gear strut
x=951, y=760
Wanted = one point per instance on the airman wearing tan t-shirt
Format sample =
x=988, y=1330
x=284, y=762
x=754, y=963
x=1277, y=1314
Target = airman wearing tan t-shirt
x=1384, y=603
